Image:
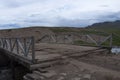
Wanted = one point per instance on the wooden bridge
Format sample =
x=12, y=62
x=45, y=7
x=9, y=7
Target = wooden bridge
x=34, y=55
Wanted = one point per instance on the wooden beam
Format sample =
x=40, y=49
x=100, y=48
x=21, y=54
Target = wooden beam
x=92, y=40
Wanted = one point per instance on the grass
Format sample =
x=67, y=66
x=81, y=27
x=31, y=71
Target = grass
x=107, y=32
x=116, y=37
x=116, y=40
x=80, y=42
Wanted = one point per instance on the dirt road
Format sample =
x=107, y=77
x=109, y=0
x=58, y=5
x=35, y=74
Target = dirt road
x=90, y=63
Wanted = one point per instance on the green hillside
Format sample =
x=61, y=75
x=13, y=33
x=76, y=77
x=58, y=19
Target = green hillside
x=109, y=28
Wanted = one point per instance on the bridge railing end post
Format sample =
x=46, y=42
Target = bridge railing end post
x=33, y=49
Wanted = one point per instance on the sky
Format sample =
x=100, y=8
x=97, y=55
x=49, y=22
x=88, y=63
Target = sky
x=69, y=13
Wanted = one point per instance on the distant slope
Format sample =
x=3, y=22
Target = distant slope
x=110, y=27
x=106, y=25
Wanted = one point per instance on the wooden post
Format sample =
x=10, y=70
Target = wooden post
x=25, y=47
x=17, y=45
x=111, y=38
x=33, y=50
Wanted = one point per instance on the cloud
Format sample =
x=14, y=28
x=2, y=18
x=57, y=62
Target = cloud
x=58, y=12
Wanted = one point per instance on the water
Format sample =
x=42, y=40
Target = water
x=115, y=50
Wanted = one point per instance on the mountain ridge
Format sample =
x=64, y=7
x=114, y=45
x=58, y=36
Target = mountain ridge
x=106, y=25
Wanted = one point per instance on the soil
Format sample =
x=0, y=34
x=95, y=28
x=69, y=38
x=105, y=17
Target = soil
x=107, y=61
x=93, y=64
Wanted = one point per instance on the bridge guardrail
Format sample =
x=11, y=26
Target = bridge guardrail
x=23, y=46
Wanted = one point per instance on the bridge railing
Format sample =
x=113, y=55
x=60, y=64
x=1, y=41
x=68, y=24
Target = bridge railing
x=22, y=46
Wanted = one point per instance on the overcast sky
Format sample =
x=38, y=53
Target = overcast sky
x=23, y=13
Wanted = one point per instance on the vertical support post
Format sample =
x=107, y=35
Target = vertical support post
x=3, y=43
x=25, y=47
x=33, y=49
x=111, y=38
x=10, y=44
x=17, y=45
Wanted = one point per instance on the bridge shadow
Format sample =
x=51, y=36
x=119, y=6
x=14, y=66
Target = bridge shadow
x=15, y=71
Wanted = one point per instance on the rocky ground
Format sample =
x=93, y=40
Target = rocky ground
x=95, y=64
x=73, y=70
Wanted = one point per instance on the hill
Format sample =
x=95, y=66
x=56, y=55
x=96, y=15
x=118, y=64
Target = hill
x=106, y=25
x=110, y=27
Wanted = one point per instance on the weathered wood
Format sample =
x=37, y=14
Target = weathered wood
x=33, y=50
x=45, y=64
x=111, y=38
x=105, y=39
x=19, y=46
x=92, y=39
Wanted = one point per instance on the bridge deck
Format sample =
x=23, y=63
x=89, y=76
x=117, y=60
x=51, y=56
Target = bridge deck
x=50, y=53
x=46, y=51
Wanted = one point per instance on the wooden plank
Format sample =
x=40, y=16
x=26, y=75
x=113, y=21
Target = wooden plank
x=92, y=40
x=47, y=57
x=111, y=39
x=45, y=64
x=105, y=39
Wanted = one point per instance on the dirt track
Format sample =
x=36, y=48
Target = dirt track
x=90, y=63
